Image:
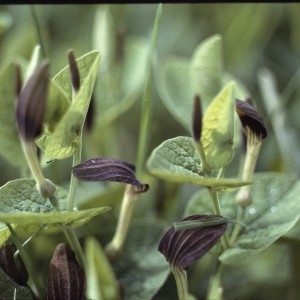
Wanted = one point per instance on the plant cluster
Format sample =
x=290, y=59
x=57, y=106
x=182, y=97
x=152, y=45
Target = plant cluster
x=110, y=228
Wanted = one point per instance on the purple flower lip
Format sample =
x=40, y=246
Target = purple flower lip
x=108, y=169
x=182, y=248
x=31, y=103
x=250, y=118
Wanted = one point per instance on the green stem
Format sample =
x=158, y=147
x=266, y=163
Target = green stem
x=215, y=288
x=115, y=246
x=74, y=180
x=204, y=166
x=218, y=211
x=38, y=30
x=75, y=245
x=38, y=284
x=146, y=104
x=181, y=282
x=238, y=227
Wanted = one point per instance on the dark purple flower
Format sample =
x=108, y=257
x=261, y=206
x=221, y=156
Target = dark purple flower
x=31, y=103
x=108, y=169
x=182, y=248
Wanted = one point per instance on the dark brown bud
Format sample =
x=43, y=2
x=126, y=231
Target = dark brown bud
x=74, y=72
x=89, y=120
x=197, y=119
x=108, y=169
x=31, y=103
x=250, y=118
x=18, y=80
x=66, y=278
x=184, y=247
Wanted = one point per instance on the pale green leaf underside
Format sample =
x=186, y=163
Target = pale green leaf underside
x=177, y=160
x=4, y=234
x=101, y=282
x=20, y=203
x=217, y=128
x=65, y=138
x=10, y=147
x=274, y=211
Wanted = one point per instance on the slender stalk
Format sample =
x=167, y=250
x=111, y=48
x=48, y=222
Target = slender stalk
x=238, y=227
x=115, y=246
x=38, y=284
x=146, y=104
x=38, y=30
x=204, y=166
x=74, y=180
x=30, y=152
x=218, y=211
x=181, y=282
x=75, y=245
x=215, y=289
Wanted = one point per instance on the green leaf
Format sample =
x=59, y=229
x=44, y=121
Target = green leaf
x=20, y=203
x=100, y=279
x=274, y=211
x=10, y=147
x=104, y=36
x=206, y=69
x=175, y=89
x=4, y=234
x=56, y=106
x=8, y=288
x=142, y=270
x=217, y=128
x=64, y=140
x=120, y=87
x=5, y=21
x=177, y=160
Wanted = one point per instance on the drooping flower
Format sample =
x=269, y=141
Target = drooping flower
x=255, y=132
x=184, y=247
x=108, y=169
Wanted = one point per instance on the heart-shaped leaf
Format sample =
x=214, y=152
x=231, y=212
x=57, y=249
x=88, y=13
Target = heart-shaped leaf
x=21, y=203
x=274, y=211
x=177, y=160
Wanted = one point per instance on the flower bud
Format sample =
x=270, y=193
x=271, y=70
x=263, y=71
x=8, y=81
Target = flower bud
x=74, y=72
x=255, y=131
x=197, y=119
x=31, y=103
